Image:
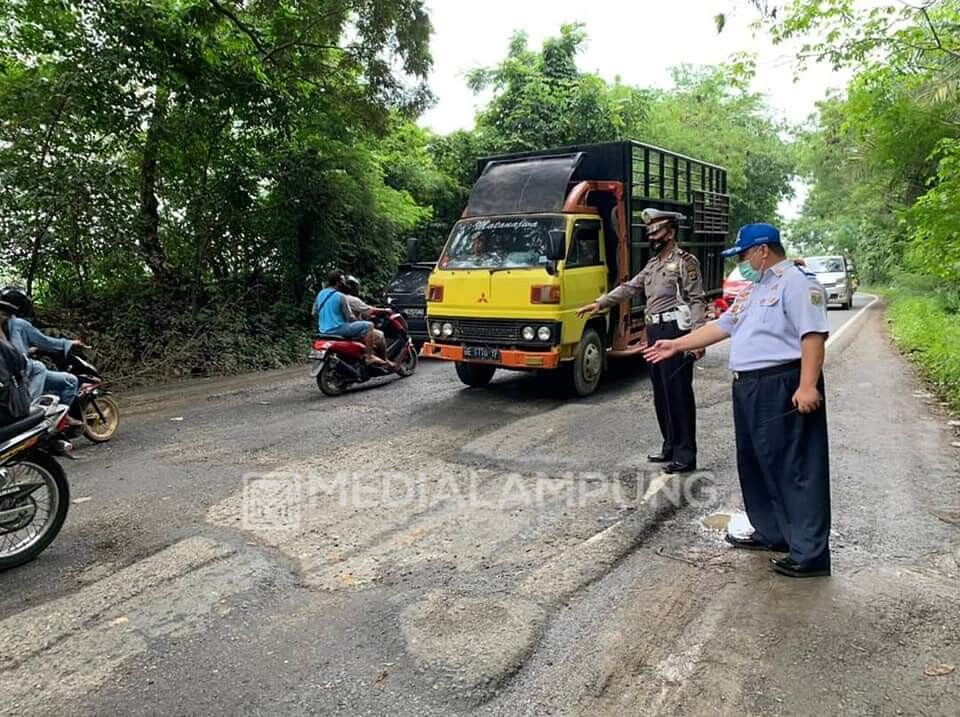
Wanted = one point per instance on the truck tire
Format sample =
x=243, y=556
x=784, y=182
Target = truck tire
x=583, y=373
x=475, y=374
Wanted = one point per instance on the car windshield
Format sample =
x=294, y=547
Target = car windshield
x=823, y=265
x=500, y=243
x=409, y=281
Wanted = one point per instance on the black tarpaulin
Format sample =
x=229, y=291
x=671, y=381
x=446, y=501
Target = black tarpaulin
x=523, y=187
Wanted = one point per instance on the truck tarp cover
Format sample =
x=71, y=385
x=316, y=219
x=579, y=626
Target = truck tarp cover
x=527, y=187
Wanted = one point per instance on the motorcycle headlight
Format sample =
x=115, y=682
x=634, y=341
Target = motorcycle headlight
x=543, y=333
x=447, y=330
x=528, y=333
x=435, y=329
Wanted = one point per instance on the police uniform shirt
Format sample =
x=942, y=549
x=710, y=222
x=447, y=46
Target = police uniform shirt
x=658, y=282
x=769, y=318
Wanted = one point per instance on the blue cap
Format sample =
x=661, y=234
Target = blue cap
x=753, y=235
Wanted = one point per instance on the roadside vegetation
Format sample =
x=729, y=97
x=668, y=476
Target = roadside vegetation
x=925, y=324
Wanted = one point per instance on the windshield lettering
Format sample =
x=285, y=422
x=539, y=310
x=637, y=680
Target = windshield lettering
x=500, y=243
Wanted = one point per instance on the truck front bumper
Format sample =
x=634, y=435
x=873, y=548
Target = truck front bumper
x=509, y=358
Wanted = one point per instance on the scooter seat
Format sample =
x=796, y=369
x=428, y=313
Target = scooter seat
x=333, y=337
x=11, y=430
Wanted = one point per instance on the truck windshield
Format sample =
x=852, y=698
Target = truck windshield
x=500, y=243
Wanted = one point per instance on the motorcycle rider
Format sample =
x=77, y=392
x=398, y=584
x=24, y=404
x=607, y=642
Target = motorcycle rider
x=14, y=305
x=363, y=311
x=333, y=317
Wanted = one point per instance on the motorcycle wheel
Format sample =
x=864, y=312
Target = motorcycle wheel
x=21, y=540
x=408, y=365
x=329, y=381
x=96, y=429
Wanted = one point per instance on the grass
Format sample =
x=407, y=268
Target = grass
x=925, y=324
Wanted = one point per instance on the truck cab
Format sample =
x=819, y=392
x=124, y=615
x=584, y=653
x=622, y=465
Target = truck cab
x=542, y=235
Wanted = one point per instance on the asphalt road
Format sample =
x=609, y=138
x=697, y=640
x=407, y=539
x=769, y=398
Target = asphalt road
x=248, y=546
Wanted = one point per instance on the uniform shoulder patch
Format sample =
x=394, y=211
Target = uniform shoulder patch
x=690, y=263
x=816, y=296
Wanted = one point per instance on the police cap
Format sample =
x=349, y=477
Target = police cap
x=653, y=217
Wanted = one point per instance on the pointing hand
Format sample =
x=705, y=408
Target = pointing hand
x=660, y=351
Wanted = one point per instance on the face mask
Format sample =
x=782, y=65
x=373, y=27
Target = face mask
x=657, y=244
x=748, y=272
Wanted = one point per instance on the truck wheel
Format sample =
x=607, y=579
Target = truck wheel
x=475, y=374
x=585, y=370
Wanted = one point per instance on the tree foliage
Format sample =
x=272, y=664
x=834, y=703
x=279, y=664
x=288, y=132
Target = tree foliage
x=882, y=157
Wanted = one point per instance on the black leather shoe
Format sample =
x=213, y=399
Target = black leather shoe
x=790, y=567
x=675, y=467
x=659, y=458
x=752, y=543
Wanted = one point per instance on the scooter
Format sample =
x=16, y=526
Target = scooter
x=34, y=492
x=336, y=363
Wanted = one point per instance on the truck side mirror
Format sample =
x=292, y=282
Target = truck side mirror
x=555, y=245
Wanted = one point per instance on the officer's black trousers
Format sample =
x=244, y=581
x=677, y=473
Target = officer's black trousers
x=783, y=461
x=673, y=397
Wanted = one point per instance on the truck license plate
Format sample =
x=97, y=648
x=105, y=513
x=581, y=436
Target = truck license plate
x=481, y=353
x=414, y=313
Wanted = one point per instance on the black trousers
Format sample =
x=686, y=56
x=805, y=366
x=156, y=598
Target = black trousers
x=784, y=464
x=673, y=397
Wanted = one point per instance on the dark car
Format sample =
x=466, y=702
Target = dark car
x=407, y=292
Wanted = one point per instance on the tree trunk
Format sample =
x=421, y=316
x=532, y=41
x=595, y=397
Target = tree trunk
x=151, y=249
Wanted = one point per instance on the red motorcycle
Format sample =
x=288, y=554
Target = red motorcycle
x=337, y=362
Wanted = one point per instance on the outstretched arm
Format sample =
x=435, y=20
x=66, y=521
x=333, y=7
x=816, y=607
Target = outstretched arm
x=39, y=340
x=706, y=335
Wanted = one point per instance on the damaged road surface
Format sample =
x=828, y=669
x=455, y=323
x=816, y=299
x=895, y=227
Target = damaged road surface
x=417, y=547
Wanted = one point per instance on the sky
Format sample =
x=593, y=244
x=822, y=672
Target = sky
x=638, y=40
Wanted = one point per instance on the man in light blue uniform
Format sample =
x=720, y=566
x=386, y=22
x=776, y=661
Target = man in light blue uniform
x=778, y=330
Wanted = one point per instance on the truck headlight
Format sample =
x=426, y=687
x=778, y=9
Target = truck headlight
x=528, y=333
x=435, y=328
x=447, y=330
x=543, y=333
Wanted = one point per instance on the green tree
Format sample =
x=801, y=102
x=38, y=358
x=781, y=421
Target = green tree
x=542, y=100
x=711, y=113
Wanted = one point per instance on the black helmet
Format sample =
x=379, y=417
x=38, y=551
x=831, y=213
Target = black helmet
x=16, y=300
x=352, y=284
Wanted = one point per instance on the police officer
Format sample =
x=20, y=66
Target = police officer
x=778, y=330
x=673, y=288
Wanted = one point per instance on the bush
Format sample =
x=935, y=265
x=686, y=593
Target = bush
x=926, y=327
x=154, y=334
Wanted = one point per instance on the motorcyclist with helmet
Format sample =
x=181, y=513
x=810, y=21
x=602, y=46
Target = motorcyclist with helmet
x=363, y=311
x=15, y=304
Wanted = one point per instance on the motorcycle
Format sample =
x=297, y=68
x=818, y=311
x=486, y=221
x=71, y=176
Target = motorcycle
x=34, y=492
x=94, y=404
x=336, y=363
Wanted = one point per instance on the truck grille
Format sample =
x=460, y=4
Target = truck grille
x=487, y=331
x=501, y=332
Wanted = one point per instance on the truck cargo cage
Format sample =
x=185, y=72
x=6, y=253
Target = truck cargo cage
x=652, y=177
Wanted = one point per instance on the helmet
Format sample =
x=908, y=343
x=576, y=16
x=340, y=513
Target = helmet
x=16, y=300
x=352, y=284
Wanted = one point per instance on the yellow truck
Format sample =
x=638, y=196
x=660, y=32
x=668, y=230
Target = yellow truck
x=546, y=232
